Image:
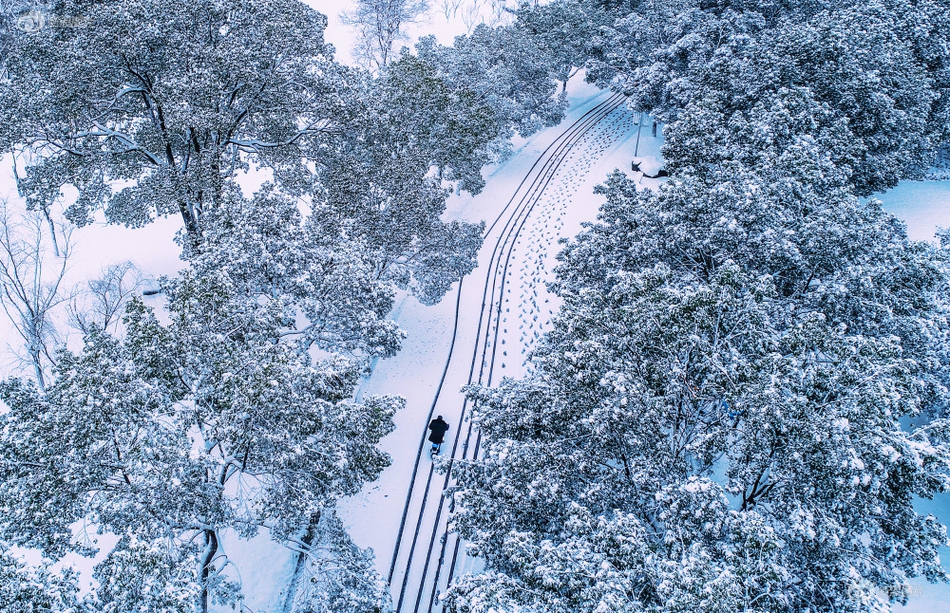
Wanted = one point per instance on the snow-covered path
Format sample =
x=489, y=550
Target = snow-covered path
x=486, y=329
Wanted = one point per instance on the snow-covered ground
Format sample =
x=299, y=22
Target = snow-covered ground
x=482, y=332
x=923, y=205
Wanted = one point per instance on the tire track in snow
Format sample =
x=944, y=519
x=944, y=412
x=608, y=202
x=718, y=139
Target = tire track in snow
x=422, y=442
x=577, y=160
x=539, y=264
x=553, y=154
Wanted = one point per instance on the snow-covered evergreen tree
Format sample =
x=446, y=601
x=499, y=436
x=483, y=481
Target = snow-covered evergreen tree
x=507, y=79
x=745, y=389
x=172, y=96
x=179, y=431
x=869, y=65
x=339, y=576
x=566, y=31
x=883, y=67
x=36, y=589
x=715, y=421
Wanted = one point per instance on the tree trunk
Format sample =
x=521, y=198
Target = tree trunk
x=52, y=230
x=38, y=369
x=211, y=548
x=307, y=540
x=191, y=224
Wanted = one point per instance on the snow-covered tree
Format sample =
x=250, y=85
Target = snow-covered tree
x=379, y=25
x=101, y=301
x=882, y=66
x=450, y=8
x=565, y=31
x=745, y=388
x=220, y=419
x=336, y=575
x=157, y=576
x=878, y=65
x=499, y=82
x=153, y=110
x=377, y=186
x=451, y=126
x=138, y=129
x=232, y=415
x=179, y=431
x=714, y=423
x=163, y=115
x=36, y=589
x=720, y=418
x=32, y=267
x=326, y=288
x=508, y=69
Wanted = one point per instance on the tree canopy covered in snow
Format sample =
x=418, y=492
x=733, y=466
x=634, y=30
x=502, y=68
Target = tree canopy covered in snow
x=158, y=108
x=230, y=409
x=745, y=389
x=880, y=67
x=28, y=590
x=177, y=431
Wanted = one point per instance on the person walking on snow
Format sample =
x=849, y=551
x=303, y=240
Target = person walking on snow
x=439, y=427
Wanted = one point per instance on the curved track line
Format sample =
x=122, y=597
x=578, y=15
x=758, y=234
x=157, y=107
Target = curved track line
x=491, y=366
x=507, y=239
x=452, y=345
x=561, y=146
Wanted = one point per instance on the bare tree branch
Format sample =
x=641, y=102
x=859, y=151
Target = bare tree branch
x=28, y=292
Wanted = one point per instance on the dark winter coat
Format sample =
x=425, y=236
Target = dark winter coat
x=439, y=428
